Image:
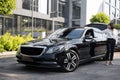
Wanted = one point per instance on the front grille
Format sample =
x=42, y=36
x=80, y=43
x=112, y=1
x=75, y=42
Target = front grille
x=31, y=50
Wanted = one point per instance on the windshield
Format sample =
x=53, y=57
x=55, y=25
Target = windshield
x=71, y=33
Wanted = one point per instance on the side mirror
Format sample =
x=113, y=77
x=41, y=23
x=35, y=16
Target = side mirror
x=88, y=38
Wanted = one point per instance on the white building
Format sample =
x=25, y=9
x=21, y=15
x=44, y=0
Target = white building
x=91, y=7
x=40, y=10
x=54, y=14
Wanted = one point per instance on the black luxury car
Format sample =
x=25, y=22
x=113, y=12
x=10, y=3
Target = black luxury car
x=66, y=48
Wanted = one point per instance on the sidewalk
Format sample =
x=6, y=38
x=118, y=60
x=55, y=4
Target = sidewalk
x=117, y=55
x=7, y=54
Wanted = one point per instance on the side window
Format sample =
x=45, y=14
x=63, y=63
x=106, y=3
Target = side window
x=90, y=33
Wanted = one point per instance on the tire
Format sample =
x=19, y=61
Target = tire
x=69, y=61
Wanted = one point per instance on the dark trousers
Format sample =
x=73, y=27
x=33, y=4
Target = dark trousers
x=110, y=49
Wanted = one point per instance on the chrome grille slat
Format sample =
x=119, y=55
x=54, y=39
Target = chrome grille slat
x=32, y=50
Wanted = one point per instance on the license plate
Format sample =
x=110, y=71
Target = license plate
x=27, y=59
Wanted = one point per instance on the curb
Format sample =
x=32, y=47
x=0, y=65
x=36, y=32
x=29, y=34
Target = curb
x=13, y=53
x=7, y=54
x=117, y=55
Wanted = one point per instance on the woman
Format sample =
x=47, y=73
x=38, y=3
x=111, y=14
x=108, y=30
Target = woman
x=112, y=37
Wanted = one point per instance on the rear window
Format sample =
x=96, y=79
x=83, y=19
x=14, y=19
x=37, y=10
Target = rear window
x=99, y=26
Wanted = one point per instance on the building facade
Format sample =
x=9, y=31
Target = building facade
x=45, y=13
x=87, y=8
x=50, y=15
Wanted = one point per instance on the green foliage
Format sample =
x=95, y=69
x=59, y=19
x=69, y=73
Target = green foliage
x=2, y=48
x=117, y=26
x=11, y=43
x=6, y=6
x=100, y=17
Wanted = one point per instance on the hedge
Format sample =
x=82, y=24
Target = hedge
x=9, y=42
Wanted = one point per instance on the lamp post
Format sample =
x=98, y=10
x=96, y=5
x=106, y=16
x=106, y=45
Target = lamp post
x=32, y=10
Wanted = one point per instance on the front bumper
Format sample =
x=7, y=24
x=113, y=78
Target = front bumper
x=41, y=64
x=45, y=60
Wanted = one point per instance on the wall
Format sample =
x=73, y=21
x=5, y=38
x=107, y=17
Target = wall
x=42, y=14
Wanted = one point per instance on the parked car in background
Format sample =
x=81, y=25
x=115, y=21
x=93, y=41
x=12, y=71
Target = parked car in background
x=65, y=48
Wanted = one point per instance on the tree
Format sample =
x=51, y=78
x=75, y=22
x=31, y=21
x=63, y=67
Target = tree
x=100, y=17
x=7, y=6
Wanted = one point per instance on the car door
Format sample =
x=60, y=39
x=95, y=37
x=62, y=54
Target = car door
x=84, y=47
x=100, y=39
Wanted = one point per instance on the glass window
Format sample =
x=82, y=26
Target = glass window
x=1, y=26
x=117, y=4
x=113, y=12
x=61, y=9
x=118, y=14
x=26, y=23
x=76, y=11
x=113, y=2
x=107, y=9
x=68, y=33
x=8, y=25
x=108, y=1
x=99, y=26
x=53, y=8
x=35, y=5
x=27, y=4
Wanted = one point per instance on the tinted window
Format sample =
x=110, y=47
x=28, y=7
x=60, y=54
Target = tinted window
x=74, y=34
x=67, y=33
x=57, y=33
x=99, y=26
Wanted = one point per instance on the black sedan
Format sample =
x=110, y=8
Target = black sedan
x=65, y=48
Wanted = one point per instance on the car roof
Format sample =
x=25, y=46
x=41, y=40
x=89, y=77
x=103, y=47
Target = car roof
x=101, y=26
x=82, y=28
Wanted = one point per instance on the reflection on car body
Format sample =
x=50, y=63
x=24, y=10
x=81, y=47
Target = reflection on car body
x=117, y=47
x=103, y=26
x=65, y=48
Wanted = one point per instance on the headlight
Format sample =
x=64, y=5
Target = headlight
x=55, y=49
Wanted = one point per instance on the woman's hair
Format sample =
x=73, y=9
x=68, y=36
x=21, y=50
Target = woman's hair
x=111, y=23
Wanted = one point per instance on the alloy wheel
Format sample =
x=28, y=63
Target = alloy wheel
x=70, y=61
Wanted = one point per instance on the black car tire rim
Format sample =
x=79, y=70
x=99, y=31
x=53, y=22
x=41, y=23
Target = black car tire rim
x=70, y=61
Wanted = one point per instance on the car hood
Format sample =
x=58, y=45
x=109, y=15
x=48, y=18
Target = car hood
x=47, y=42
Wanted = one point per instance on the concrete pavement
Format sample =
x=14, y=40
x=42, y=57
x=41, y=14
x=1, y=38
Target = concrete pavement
x=11, y=70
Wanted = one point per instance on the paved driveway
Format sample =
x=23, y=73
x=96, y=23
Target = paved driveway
x=11, y=70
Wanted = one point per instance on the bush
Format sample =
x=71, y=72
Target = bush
x=2, y=48
x=117, y=26
x=100, y=17
x=11, y=43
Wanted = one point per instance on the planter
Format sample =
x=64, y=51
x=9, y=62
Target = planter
x=7, y=54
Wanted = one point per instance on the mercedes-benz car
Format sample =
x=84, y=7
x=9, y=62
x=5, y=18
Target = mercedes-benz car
x=65, y=48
